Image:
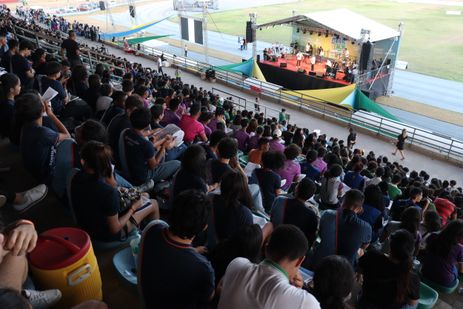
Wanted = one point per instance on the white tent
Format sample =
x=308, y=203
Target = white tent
x=340, y=21
x=350, y=24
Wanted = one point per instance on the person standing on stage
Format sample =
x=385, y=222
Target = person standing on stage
x=401, y=143
x=299, y=57
x=308, y=48
x=185, y=49
x=313, y=60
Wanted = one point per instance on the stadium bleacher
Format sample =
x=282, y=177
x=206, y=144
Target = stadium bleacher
x=208, y=196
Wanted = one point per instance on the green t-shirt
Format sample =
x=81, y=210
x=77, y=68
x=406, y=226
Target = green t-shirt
x=393, y=192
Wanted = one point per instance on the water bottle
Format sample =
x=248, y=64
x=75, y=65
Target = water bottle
x=135, y=246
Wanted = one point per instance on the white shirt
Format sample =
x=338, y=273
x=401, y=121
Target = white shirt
x=313, y=59
x=261, y=286
x=299, y=56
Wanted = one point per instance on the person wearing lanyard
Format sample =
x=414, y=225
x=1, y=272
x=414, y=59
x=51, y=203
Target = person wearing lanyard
x=274, y=283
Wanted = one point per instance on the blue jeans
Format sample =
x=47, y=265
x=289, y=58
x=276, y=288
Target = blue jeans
x=64, y=163
x=163, y=171
x=175, y=152
x=121, y=181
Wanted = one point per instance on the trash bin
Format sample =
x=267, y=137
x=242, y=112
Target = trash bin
x=64, y=259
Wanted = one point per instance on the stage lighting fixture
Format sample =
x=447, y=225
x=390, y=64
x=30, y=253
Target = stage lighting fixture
x=353, y=42
x=260, y=28
x=304, y=31
x=319, y=34
x=297, y=30
x=311, y=32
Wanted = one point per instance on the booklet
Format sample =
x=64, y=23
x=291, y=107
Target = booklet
x=171, y=129
x=49, y=94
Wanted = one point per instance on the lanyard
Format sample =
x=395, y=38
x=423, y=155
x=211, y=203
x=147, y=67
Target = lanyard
x=277, y=266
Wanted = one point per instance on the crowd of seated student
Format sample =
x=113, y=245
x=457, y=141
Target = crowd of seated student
x=344, y=198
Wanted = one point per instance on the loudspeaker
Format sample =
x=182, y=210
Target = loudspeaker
x=365, y=55
x=258, y=58
x=300, y=70
x=250, y=34
x=312, y=73
x=283, y=64
x=102, y=6
x=132, y=11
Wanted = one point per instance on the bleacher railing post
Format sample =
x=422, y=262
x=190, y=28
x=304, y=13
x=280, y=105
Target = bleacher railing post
x=450, y=149
x=90, y=60
x=380, y=125
x=413, y=136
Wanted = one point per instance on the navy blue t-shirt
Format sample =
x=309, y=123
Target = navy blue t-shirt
x=138, y=151
x=94, y=201
x=216, y=170
x=269, y=182
x=38, y=149
x=228, y=220
x=295, y=212
x=185, y=180
x=20, y=66
x=173, y=275
x=398, y=207
x=310, y=172
x=112, y=112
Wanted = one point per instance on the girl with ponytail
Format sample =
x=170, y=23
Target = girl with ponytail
x=333, y=282
x=10, y=86
x=389, y=280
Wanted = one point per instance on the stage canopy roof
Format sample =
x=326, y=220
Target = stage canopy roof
x=342, y=22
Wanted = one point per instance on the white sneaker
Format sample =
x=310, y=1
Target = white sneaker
x=31, y=197
x=42, y=299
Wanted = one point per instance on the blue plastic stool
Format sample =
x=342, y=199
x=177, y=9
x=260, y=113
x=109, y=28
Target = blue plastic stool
x=428, y=297
x=125, y=266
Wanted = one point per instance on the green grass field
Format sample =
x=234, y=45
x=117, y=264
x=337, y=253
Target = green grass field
x=432, y=43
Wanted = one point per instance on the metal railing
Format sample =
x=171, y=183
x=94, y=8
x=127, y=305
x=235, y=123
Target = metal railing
x=443, y=145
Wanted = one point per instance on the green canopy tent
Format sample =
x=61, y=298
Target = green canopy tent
x=146, y=38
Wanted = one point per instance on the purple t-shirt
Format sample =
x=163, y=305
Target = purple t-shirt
x=212, y=124
x=320, y=165
x=289, y=171
x=170, y=117
x=440, y=270
x=207, y=130
x=275, y=145
x=253, y=142
x=243, y=140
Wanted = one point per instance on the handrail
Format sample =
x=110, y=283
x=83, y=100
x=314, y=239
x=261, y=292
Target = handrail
x=446, y=146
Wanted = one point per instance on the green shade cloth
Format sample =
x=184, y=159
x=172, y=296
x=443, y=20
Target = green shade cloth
x=146, y=38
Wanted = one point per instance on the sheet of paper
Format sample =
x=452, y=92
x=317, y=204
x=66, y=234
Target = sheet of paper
x=49, y=94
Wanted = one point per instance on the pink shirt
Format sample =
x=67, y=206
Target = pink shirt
x=191, y=127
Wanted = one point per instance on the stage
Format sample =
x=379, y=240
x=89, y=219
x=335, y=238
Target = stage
x=290, y=78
